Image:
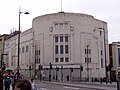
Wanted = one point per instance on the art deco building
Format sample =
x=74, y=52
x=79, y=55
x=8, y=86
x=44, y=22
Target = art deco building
x=75, y=44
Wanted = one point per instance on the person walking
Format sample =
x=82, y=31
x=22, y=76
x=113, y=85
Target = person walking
x=1, y=82
x=34, y=87
x=7, y=82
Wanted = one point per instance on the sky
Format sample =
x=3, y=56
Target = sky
x=105, y=10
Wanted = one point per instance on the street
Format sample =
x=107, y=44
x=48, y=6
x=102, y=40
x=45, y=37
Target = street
x=66, y=86
x=44, y=86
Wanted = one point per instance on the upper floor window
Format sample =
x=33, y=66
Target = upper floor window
x=66, y=49
x=61, y=38
x=22, y=49
x=56, y=59
x=56, y=49
x=61, y=49
x=56, y=38
x=27, y=48
x=61, y=59
x=67, y=59
x=66, y=38
x=100, y=32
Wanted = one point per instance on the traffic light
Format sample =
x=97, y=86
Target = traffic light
x=109, y=67
x=50, y=66
x=71, y=69
x=57, y=68
x=40, y=67
x=81, y=68
x=30, y=67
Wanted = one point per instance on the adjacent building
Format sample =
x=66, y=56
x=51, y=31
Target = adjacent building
x=75, y=44
x=114, y=57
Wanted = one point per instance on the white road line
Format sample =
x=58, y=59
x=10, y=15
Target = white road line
x=71, y=88
x=44, y=89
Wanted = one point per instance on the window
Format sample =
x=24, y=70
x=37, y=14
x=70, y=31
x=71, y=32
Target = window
x=66, y=59
x=101, y=52
x=101, y=63
x=27, y=48
x=61, y=59
x=56, y=38
x=66, y=38
x=85, y=51
x=39, y=60
x=89, y=60
x=85, y=59
x=56, y=59
x=22, y=49
x=39, y=52
x=61, y=38
x=56, y=49
x=100, y=32
x=66, y=49
x=89, y=51
x=61, y=49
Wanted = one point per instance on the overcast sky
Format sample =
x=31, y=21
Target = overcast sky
x=105, y=10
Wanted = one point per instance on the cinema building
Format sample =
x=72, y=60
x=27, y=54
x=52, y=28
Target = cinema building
x=63, y=46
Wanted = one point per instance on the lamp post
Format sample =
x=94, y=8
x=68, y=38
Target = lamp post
x=18, y=66
x=106, y=75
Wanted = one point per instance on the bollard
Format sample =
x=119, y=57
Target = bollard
x=118, y=85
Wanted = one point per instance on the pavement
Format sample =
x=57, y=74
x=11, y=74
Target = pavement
x=90, y=85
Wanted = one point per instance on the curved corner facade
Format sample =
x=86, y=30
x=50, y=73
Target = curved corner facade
x=75, y=44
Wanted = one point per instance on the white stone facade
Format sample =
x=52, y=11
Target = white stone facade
x=67, y=39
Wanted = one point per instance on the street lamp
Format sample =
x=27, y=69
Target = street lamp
x=105, y=54
x=18, y=66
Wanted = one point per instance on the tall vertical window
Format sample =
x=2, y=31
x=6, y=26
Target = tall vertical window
x=100, y=32
x=61, y=38
x=66, y=49
x=56, y=49
x=89, y=51
x=61, y=59
x=101, y=63
x=85, y=51
x=66, y=38
x=56, y=59
x=22, y=49
x=101, y=52
x=67, y=59
x=56, y=38
x=61, y=49
x=39, y=52
x=27, y=48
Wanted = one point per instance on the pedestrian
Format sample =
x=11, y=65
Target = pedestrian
x=13, y=84
x=7, y=82
x=1, y=82
x=34, y=87
x=67, y=77
x=23, y=84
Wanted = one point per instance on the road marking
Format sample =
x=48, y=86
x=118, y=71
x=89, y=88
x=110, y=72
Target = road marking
x=44, y=89
x=71, y=88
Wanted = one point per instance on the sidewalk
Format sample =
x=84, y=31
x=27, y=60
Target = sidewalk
x=94, y=85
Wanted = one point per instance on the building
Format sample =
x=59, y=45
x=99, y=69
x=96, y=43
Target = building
x=2, y=54
x=74, y=44
x=114, y=56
